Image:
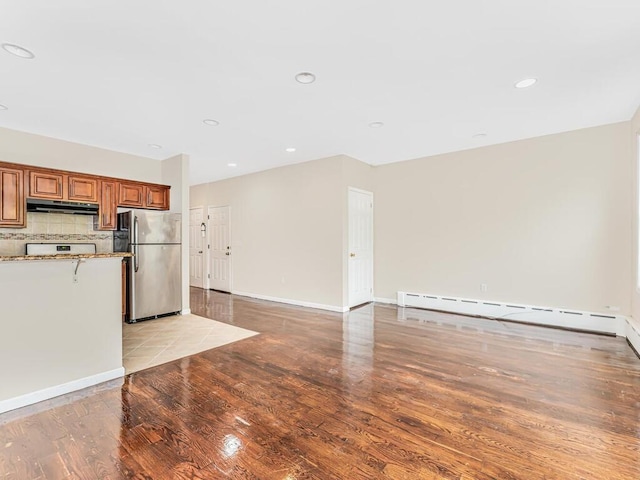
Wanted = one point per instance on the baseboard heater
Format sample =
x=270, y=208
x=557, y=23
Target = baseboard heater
x=555, y=317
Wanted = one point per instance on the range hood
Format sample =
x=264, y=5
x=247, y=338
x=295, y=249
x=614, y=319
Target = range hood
x=57, y=206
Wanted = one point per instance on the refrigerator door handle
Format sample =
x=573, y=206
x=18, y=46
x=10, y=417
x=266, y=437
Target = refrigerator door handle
x=136, y=262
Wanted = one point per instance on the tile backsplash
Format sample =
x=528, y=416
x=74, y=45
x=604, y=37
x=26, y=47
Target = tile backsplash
x=54, y=228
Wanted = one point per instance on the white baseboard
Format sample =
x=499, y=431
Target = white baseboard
x=554, y=317
x=186, y=311
x=331, y=308
x=57, y=390
x=389, y=301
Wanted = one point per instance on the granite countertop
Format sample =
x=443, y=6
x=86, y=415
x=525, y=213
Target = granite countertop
x=71, y=256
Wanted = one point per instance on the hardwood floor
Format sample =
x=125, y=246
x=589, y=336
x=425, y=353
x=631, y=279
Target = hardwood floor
x=379, y=393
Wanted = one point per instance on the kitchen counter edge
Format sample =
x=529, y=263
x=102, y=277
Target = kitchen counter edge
x=72, y=256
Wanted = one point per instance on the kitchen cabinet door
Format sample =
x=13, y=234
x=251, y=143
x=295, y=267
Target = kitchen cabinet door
x=12, y=199
x=108, y=214
x=157, y=197
x=131, y=195
x=46, y=185
x=83, y=189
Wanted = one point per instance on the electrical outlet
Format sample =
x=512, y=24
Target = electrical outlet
x=75, y=279
x=282, y=281
x=483, y=287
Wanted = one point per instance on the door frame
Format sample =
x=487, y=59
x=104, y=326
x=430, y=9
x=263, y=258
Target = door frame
x=205, y=279
x=208, y=253
x=371, y=297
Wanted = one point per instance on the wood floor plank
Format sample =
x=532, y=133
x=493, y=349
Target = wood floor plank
x=378, y=393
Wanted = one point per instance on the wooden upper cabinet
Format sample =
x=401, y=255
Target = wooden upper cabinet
x=62, y=186
x=46, y=185
x=12, y=198
x=142, y=195
x=131, y=195
x=108, y=214
x=83, y=189
x=20, y=182
x=157, y=196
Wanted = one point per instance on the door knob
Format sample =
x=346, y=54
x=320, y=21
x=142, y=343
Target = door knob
x=352, y=254
x=200, y=251
x=227, y=253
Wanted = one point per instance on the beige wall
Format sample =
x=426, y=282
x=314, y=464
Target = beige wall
x=31, y=149
x=175, y=172
x=286, y=230
x=635, y=215
x=544, y=221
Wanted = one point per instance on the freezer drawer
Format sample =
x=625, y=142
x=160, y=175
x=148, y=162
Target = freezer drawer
x=155, y=288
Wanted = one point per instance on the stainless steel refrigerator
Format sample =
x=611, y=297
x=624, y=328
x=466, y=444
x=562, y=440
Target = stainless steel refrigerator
x=154, y=272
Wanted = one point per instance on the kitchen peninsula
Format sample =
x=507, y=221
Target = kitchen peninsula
x=61, y=327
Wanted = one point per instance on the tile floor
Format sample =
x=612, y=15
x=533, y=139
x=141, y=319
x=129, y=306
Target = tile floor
x=153, y=342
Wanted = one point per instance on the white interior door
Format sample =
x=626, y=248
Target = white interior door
x=220, y=249
x=196, y=247
x=360, y=247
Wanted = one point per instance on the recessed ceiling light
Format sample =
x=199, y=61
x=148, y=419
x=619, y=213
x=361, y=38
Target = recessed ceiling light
x=211, y=122
x=3, y=107
x=17, y=50
x=155, y=145
x=290, y=149
x=305, y=78
x=232, y=164
x=376, y=124
x=527, y=82
x=480, y=135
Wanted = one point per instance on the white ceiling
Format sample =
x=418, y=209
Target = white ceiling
x=125, y=74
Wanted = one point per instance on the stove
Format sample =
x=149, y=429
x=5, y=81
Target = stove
x=60, y=248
